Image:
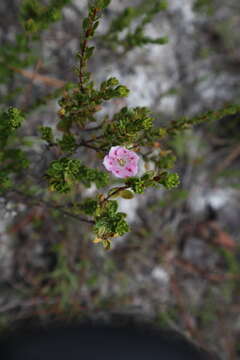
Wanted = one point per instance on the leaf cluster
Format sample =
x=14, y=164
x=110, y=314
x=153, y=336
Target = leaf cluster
x=16, y=54
x=12, y=160
x=19, y=53
x=78, y=108
x=109, y=223
x=211, y=115
x=152, y=179
x=36, y=16
x=80, y=104
x=204, y=6
x=63, y=173
x=128, y=126
x=10, y=120
x=132, y=21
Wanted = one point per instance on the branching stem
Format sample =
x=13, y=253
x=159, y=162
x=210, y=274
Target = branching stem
x=50, y=205
x=87, y=34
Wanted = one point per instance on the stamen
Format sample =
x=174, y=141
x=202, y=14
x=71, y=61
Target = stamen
x=121, y=162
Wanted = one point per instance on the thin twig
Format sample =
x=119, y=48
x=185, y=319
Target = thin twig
x=93, y=128
x=54, y=206
x=30, y=85
x=34, y=76
x=213, y=277
x=84, y=47
x=234, y=154
x=86, y=144
x=115, y=192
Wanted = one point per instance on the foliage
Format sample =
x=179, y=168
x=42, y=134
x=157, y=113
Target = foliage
x=62, y=173
x=36, y=16
x=10, y=60
x=133, y=21
x=63, y=281
x=204, y=6
x=79, y=125
x=20, y=52
x=13, y=160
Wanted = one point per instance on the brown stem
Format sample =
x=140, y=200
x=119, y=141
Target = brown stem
x=93, y=128
x=115, y=192
x=84, y=47
x=81, y=64
x=52, y=206
x=84, y=143
x=94, y=139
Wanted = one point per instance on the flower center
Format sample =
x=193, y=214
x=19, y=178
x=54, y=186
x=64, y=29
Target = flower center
x=122, y=162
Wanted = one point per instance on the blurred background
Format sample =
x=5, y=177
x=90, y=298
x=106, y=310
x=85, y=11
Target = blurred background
x=179, y=267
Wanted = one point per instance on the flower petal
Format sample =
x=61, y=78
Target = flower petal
x=122, y=152
x=118, y=173
x=107, y=162
x=132, y=156
x=113, y=151
x=134, y=171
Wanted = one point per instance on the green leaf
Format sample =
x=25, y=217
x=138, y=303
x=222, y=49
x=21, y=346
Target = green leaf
x=68, y=143
x=95, y=25
x=148, y=175
x=122, y=91
x=112, y=81
x=169, y=180
x=106, y=244
x=136, y=184
x=85, y=24
x=46, y=134
x=105, y=3
x=111, y=207
x=126, y=194
x=89, y=206
x=14, y=117
x=89, y=52
x=113, y=193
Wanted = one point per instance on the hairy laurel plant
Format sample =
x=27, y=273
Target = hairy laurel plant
x=119, y=141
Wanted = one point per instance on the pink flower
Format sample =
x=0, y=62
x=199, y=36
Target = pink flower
x=121, y=162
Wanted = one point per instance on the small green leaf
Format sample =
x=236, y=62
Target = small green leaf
x=46, y=134
x=105, y=3
x=113, y=193
x=112, y=81
x=126, y=194
x=106, y=244
x=101, y=230
x=122, y=91
x=148, y=175
x=95, y=25
x=89, y=52
x=85, y=24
